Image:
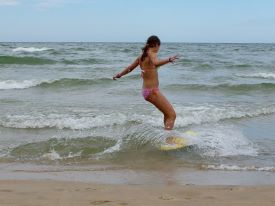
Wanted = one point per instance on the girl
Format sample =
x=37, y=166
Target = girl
x=149, y=63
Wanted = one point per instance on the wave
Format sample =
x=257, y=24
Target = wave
x=205, y=66
x=186, y=115
x=134, y=141
x=16, y=84
x=62, y=121
x=218, y=140
x=197, y=115
x=239, y=168
x=223, y=87
x=84, y=61
x=25, y=60
x=61, y=149
x=139, y=138
x=196, y=65
x=29, y=60
x=258, y=75
x=65, y=82
x=240, y=66
x=30, y=49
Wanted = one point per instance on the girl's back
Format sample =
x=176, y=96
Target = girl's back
x=149, y=73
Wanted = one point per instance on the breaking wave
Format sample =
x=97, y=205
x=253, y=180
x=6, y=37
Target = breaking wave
x=65, y=82
x=187, y=115
x=30, y=49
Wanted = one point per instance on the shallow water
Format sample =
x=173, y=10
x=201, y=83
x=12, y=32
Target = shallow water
x=59, y=105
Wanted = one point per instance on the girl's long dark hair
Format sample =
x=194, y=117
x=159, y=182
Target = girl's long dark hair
x=152, y=41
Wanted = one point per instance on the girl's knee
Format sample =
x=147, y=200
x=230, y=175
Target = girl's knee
x=174, y=115
x=171, y=116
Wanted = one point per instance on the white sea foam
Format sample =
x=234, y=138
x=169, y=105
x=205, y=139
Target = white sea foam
x=17, y=84
x=62, y=121
x=53, y=155
x=21, y=84
x=212, y=139
x=112, y=149
x=239, y=168
x=186, y=115
x=263, y=75
x=220, y=140
x=30, y=49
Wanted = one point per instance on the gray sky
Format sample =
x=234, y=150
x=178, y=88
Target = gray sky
x=134, y=20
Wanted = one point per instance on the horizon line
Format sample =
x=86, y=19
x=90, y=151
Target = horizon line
x=182, y=42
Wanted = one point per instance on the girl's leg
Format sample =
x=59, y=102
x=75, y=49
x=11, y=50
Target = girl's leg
x=160, y=101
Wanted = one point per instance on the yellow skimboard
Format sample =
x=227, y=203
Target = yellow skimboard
x=174, y=142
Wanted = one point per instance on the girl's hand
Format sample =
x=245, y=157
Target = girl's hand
x=117, y=76
x=173, y=58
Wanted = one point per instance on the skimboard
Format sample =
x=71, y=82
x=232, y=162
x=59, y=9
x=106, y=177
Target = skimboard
x=176, y=142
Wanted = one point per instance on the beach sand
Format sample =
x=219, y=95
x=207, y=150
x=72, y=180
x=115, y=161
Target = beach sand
x=36, y=193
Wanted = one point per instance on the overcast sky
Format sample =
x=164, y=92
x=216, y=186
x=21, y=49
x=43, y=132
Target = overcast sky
x=134, y=20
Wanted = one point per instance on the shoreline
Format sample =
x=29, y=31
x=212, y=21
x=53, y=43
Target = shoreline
x=42, y=192
x=121, y=175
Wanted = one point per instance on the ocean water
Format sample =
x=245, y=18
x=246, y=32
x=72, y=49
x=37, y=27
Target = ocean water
x=59, y=106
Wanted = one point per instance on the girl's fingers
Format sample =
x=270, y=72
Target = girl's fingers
x=176, y=57
x=116, y=76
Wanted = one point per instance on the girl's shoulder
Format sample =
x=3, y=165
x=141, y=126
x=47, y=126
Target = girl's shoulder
x=139, y=59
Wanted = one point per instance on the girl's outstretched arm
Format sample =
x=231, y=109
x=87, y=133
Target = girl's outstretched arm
x=153, y=57
x=128, y=69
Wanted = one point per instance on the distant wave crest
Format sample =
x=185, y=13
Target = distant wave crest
x=30, y=49
x=64, y=82
x=223, y=87
x=263, y=75
x=17, y=84
x=26, y=60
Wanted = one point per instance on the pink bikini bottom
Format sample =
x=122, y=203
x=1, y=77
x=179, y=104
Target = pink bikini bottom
x=146, y=92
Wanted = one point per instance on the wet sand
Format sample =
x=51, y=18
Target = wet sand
x=34, y=193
